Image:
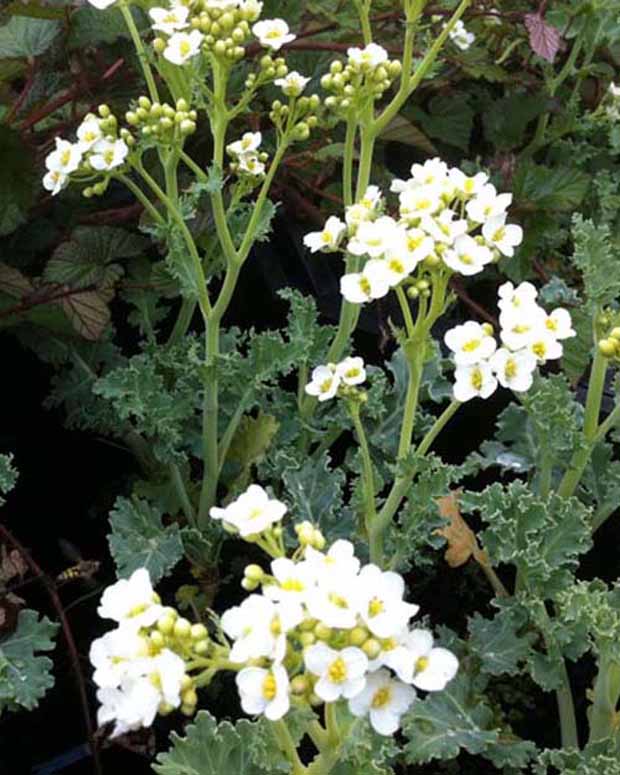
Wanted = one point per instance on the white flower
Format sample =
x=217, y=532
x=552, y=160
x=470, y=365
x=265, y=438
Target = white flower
x=545, y=346
x=470, y=343
x=367, y=58
x=519, y=327
x=366, y=208
x=461, y=37
x=329, y=238
x=132, y=706
x=273, y=33
x=430, y=668
x=170, y=20
x=336, y=599
x=384, y=700
x=341, y=673
x=433, y=171
x=251, y=9
x=475, y=380
x=372, y=283
x=468, y=186
x=445, y=227
x=293, y=84
x=108, y=154
x=351, y=371
x=340, y=560
x=374, y=238
x=294, y=580
x=614, y=90
x=501, y=236
x=398, y=265
x=514, y=370
x=249, y=142
x=65, y=158
x=418, y=244
x=89, y=133
x=182, y=46
x=516, y=299
x=113, y=656
x=467, y=257
x=258, y=628
x=166, y=671
x=488, y=204
x=264, y=691
x=419, y=201
x=131, y=601
x=251, y=164
x=382, y=607
x=324, y=383
x=559, y=324
x=252, y=512
x=55, y=182
x=102, y=4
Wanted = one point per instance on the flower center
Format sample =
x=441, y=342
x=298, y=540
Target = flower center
x=510, y=370
x=292, y=585
x=269, y=687
x=476, y=379
x=337, y=600
x=421, y=664
x=381, y=698
x=337, y=671
x=184, y=48
x=499, y=235
x=471, y=346
x=326, y=385
x=365, y=286
x=352, y=373
x=65, y=158
x=255, y=513
x=327, y=237
x=396, y=266
x=276, y=626
x=466, y=259
x=375, y=607
x=539, y=349
x=551, y=324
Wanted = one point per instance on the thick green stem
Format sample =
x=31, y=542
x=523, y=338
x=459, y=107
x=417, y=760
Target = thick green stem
x=287, y=746
x=210, y=422
x=415, y=364
x=603, y=715
x=183, y=321
x=347, y=164
x=141, y=51
x=580, y=459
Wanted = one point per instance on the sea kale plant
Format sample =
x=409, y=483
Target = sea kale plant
x=279, y=466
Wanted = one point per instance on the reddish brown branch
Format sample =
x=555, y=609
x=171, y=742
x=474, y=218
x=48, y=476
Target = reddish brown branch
x=52, y=591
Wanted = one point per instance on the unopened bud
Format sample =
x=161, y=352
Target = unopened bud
x=307, y=639
x=607, y=347
x=198, y=632
x=182, y=628
x=358, y=636
x=254, y=572
x=299, y=685
x=372, y=648
x=322, y=631
x=104, y=111
x=165, y=625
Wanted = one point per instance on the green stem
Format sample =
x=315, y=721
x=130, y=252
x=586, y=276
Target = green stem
x=439, y=424
x=368, y=477
x=603, y=715
x=183, y=321
x=179, y=486
x=141, y=197
x=406, y=310
x=331, y=724
x=415, y=363
x=347, y=165
x=141, y=51
x=231, y=429
x=317, y=734
x=363, y=10
x=210, y=422
x=287, y=746
x=580, y=459
x=203, y=299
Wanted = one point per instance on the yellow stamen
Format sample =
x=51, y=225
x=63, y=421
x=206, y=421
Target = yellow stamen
x=381, y=698
x=337, y=671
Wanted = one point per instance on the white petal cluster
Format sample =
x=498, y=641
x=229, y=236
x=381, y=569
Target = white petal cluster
x=245, y=152
x=273, y=33
x=170, y=20
x=326, y=626
x=292, y=84
x=251, y=513
x=136, y=679
x=183, y=46
x=326, y=380
x=445, y=218
x=529, y=336
x=93, y=149
x=461, y=37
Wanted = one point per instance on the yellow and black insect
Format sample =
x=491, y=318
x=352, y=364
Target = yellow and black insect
x=82, y=570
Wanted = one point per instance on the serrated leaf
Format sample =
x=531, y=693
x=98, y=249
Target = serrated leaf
x=25, y=675
x=210, y=748
x=545, y=39
x=8, y=475
x=139, y=539
x=25, y=37
x=598, y=260
x=498, y=644
x=13, y=282
x=439, y=726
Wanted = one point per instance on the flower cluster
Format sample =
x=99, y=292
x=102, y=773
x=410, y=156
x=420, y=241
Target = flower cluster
x=222, y=27
x=325, y=628
x=328, y=380
x=445, y=219
x=97, y=150
x=140, y=666
x=247, y=160
x=368, y=73
x=529, y=337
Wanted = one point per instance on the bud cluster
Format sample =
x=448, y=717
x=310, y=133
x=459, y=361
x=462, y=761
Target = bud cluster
x=162, y=121
x=301, y=116
x=609, y=346
x=367, y=74
x=226, y=31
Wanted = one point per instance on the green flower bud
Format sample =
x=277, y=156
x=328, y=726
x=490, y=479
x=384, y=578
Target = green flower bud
x=607, y=347
x=219, y=48
x=238, y=35
x=358, y=636
x=331, y=103
x=380, y=74
x=202, y=647
x=270, y=72
x=413, y=292
x=338, y=81
x=266, y=62
x=227, y=21
x=488, y=329
x=182, y=105
x=187, y=127
x=203, y=24
x=254, y=572
x=132, y=118
x=372, y=648
x=308, y=624
x=187, y=682
x=166, y=124
x=182, y=628
x=307, y=638
x=315, y=101
x=394, y=68
x=198, y=632
x=238, y=53
x=142, y=114
x=216, y=30
x=188, y=710
x=327, y=81
x=165, y=624
x=336, y=67
x=189, y=697
x=281, y=71
x=88, y=192
x=299, y=685
x=322, y=631
x=159, y=45
x=156, y=639
x=165, y=709
x=249, y=585
x=104, y=111
x=615, y=333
